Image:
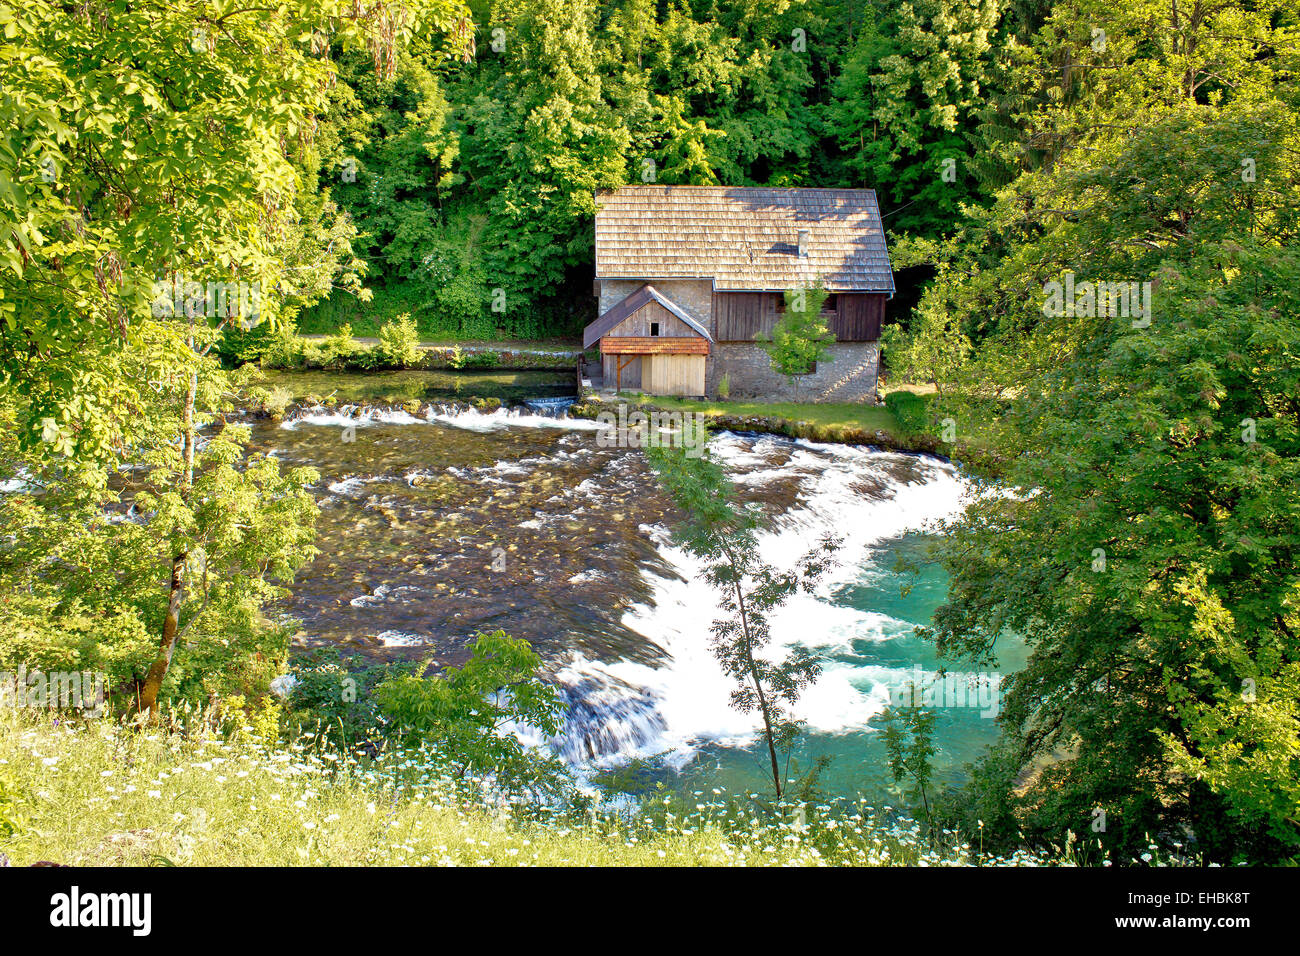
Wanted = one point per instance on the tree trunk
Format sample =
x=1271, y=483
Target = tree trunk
x=148, y=702
x=167, y=646
x=758, y=689
x=753, y=669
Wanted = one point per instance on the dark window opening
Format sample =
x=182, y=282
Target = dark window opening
x=654, y=328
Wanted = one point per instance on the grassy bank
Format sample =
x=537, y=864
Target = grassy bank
x=830, y=417
x=897, y=426
x=847, y=424
x=97, y=794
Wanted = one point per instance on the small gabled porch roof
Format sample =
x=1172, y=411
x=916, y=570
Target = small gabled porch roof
x=632, y=304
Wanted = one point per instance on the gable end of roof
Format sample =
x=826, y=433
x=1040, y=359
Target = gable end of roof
x=632, y=304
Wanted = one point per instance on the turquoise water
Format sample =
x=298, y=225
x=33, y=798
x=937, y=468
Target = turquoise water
x=858, y=760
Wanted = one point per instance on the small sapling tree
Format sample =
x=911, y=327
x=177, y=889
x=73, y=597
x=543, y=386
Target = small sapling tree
x=725, y=536
x=909, y=733
x=800, y=339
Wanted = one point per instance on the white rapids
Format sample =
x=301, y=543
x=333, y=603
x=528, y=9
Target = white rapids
x=631, y=710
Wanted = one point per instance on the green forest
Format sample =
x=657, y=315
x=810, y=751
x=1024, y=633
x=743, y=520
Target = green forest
x=1093, y=213
x=472, y=177
x=464, y=179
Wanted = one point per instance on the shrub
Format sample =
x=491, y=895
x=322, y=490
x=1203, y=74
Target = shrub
x=257, y=721
x=272, y=402
x=335, y=350
x=399, y=342
x=330, y=703
x=909, y=410
x=461, y=711
x=262, y=344
x=286, y=349
x=453, y=278
x=365, y=358
x=461, y=303
x=482, y=360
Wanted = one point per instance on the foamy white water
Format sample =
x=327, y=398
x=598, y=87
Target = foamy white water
x=356, y=416
x=620, y=709
x=477, y=421
x=467, y=418
x=689, y=696
x=400, y=639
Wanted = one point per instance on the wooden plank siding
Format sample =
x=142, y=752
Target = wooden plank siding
x=673, y=374
x=638, y=324
x=654, y=345
x=858, y=317
x=628, y=377
x=739, y=316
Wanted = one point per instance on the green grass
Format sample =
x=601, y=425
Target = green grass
x=852, y=424
x=829, y=416
x=978, y=439
x=96, y=793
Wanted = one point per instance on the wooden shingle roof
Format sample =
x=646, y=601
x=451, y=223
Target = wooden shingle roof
x=744, y=239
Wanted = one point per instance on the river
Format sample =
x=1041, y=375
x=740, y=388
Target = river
x=443, y=523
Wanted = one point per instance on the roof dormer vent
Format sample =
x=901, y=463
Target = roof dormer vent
x=805, y=242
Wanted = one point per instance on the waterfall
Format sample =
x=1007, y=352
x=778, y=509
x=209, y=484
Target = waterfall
x=607, y=720
x=554, y=407
x=420, y=508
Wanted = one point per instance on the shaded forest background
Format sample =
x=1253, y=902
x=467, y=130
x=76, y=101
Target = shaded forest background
x=470, y=182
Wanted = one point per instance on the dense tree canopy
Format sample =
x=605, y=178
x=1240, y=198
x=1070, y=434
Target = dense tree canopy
x=1106, y=197
x=1147, y=550
x=151, y=166
x=475, y=180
